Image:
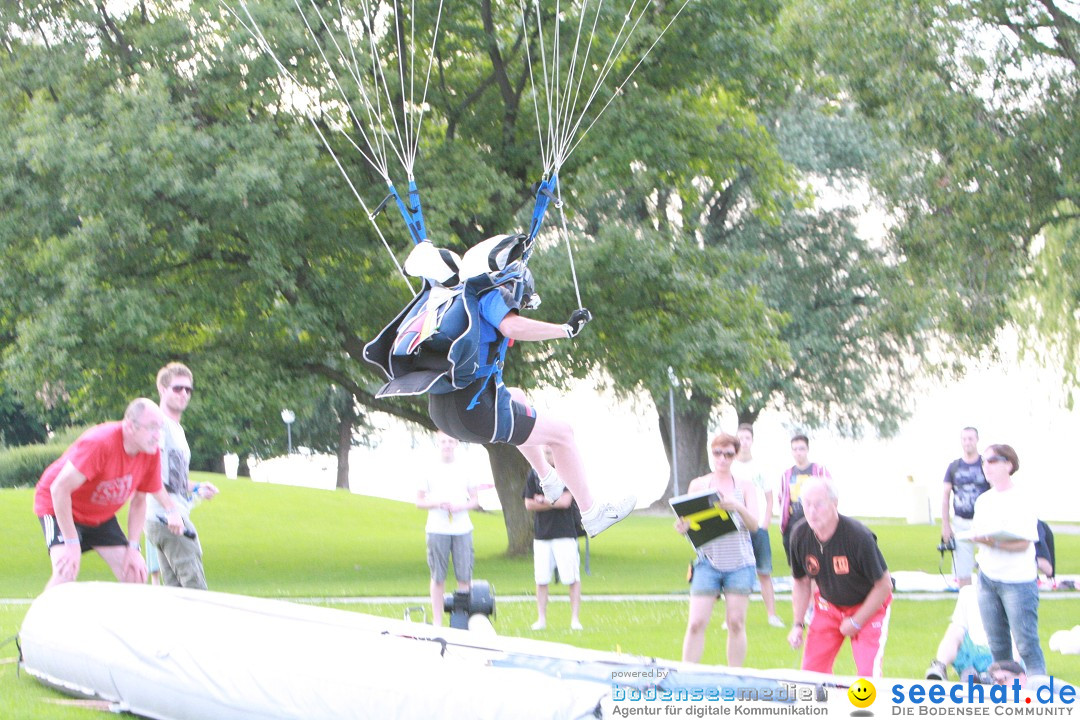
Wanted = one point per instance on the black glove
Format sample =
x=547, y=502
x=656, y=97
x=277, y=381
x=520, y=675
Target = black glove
x=577, y=320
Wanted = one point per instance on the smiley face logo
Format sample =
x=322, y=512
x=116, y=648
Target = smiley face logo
x=862, y=693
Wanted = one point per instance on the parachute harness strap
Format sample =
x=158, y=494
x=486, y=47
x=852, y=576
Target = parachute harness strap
x=492, y=369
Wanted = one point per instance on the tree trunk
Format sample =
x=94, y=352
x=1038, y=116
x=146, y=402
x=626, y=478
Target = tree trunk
x=691, y=436
x=748, y=416
x=509, y=469
x=345, y=429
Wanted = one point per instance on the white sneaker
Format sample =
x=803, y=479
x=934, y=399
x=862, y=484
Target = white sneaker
x=775, y=621
x=575, y=624
x=539, y=625
x=552, y=486
x=603, y=515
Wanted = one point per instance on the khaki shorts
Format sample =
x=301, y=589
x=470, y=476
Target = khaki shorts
x=441, y=547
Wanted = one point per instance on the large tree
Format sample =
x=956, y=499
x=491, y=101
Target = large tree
x=857, y=342
x=981, y=99
x=164, y=200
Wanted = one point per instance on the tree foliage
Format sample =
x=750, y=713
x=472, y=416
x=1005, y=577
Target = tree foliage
x=981, y=100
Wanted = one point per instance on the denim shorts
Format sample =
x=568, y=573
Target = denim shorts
x=707, y=580
x=762, y=551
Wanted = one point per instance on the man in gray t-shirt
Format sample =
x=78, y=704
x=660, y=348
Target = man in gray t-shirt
x=964, y=483
x=179, y=556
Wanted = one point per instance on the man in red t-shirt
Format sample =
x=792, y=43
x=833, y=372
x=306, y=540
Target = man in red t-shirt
x=78, y=496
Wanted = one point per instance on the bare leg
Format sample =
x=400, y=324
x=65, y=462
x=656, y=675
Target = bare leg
x=736, y=623
x=767, y=595
x=701, y=607
x=575, y=601
x=114, y=556
x=436, y=591
x=559, y=436
x=56, y=552
x=541, y=602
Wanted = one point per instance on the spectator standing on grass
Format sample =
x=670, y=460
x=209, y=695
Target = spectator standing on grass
x=180, y=557
x=853, y=588
x=791, y=483
x=726, y=563
x=747, y=468
x=448, y=492
x=1005, y=527
x=78, y=496
x=555, y=545
x=964, y=483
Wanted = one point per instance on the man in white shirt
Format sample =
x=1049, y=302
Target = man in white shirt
x=1005, y=528
x=448, y=493
x=746, y=467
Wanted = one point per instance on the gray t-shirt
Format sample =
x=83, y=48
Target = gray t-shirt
x=968, y=483
x=175, y=464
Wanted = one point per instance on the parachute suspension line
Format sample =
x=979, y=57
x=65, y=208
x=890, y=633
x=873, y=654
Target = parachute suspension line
x=546, y=153
x=618, y=90
x=571, y=108
x=427, y=78
x=563, y=99
x=373, y=113
x=374, y=93
x=569, y=249
x=363, y=205
x=565, y=96
x=622, y=38
x=374, y=141
x=407, y=133
x=614, y=52
x=255, y=32
x=560, y=108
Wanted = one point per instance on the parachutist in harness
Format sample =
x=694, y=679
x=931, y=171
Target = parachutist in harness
x=450, y=342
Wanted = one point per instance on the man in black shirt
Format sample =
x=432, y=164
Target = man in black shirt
x=555, y=546
x=853, y=585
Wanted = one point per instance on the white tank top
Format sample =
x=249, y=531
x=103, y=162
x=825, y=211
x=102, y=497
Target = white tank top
x=733, y=550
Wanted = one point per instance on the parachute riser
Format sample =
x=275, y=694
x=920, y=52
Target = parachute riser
x=546, y=194
x=412, y=213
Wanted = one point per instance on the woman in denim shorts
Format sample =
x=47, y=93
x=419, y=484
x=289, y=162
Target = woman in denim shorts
x=725, y=564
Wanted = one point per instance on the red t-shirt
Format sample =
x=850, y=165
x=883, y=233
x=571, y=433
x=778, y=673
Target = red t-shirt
x=112, y=476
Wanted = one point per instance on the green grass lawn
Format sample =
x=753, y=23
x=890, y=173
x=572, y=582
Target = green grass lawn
x=276, y=541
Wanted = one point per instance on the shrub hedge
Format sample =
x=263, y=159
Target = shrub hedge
x=22, y=466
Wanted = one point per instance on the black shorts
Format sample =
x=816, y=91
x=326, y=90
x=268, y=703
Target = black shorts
x=496, y=417
x=90, y=536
